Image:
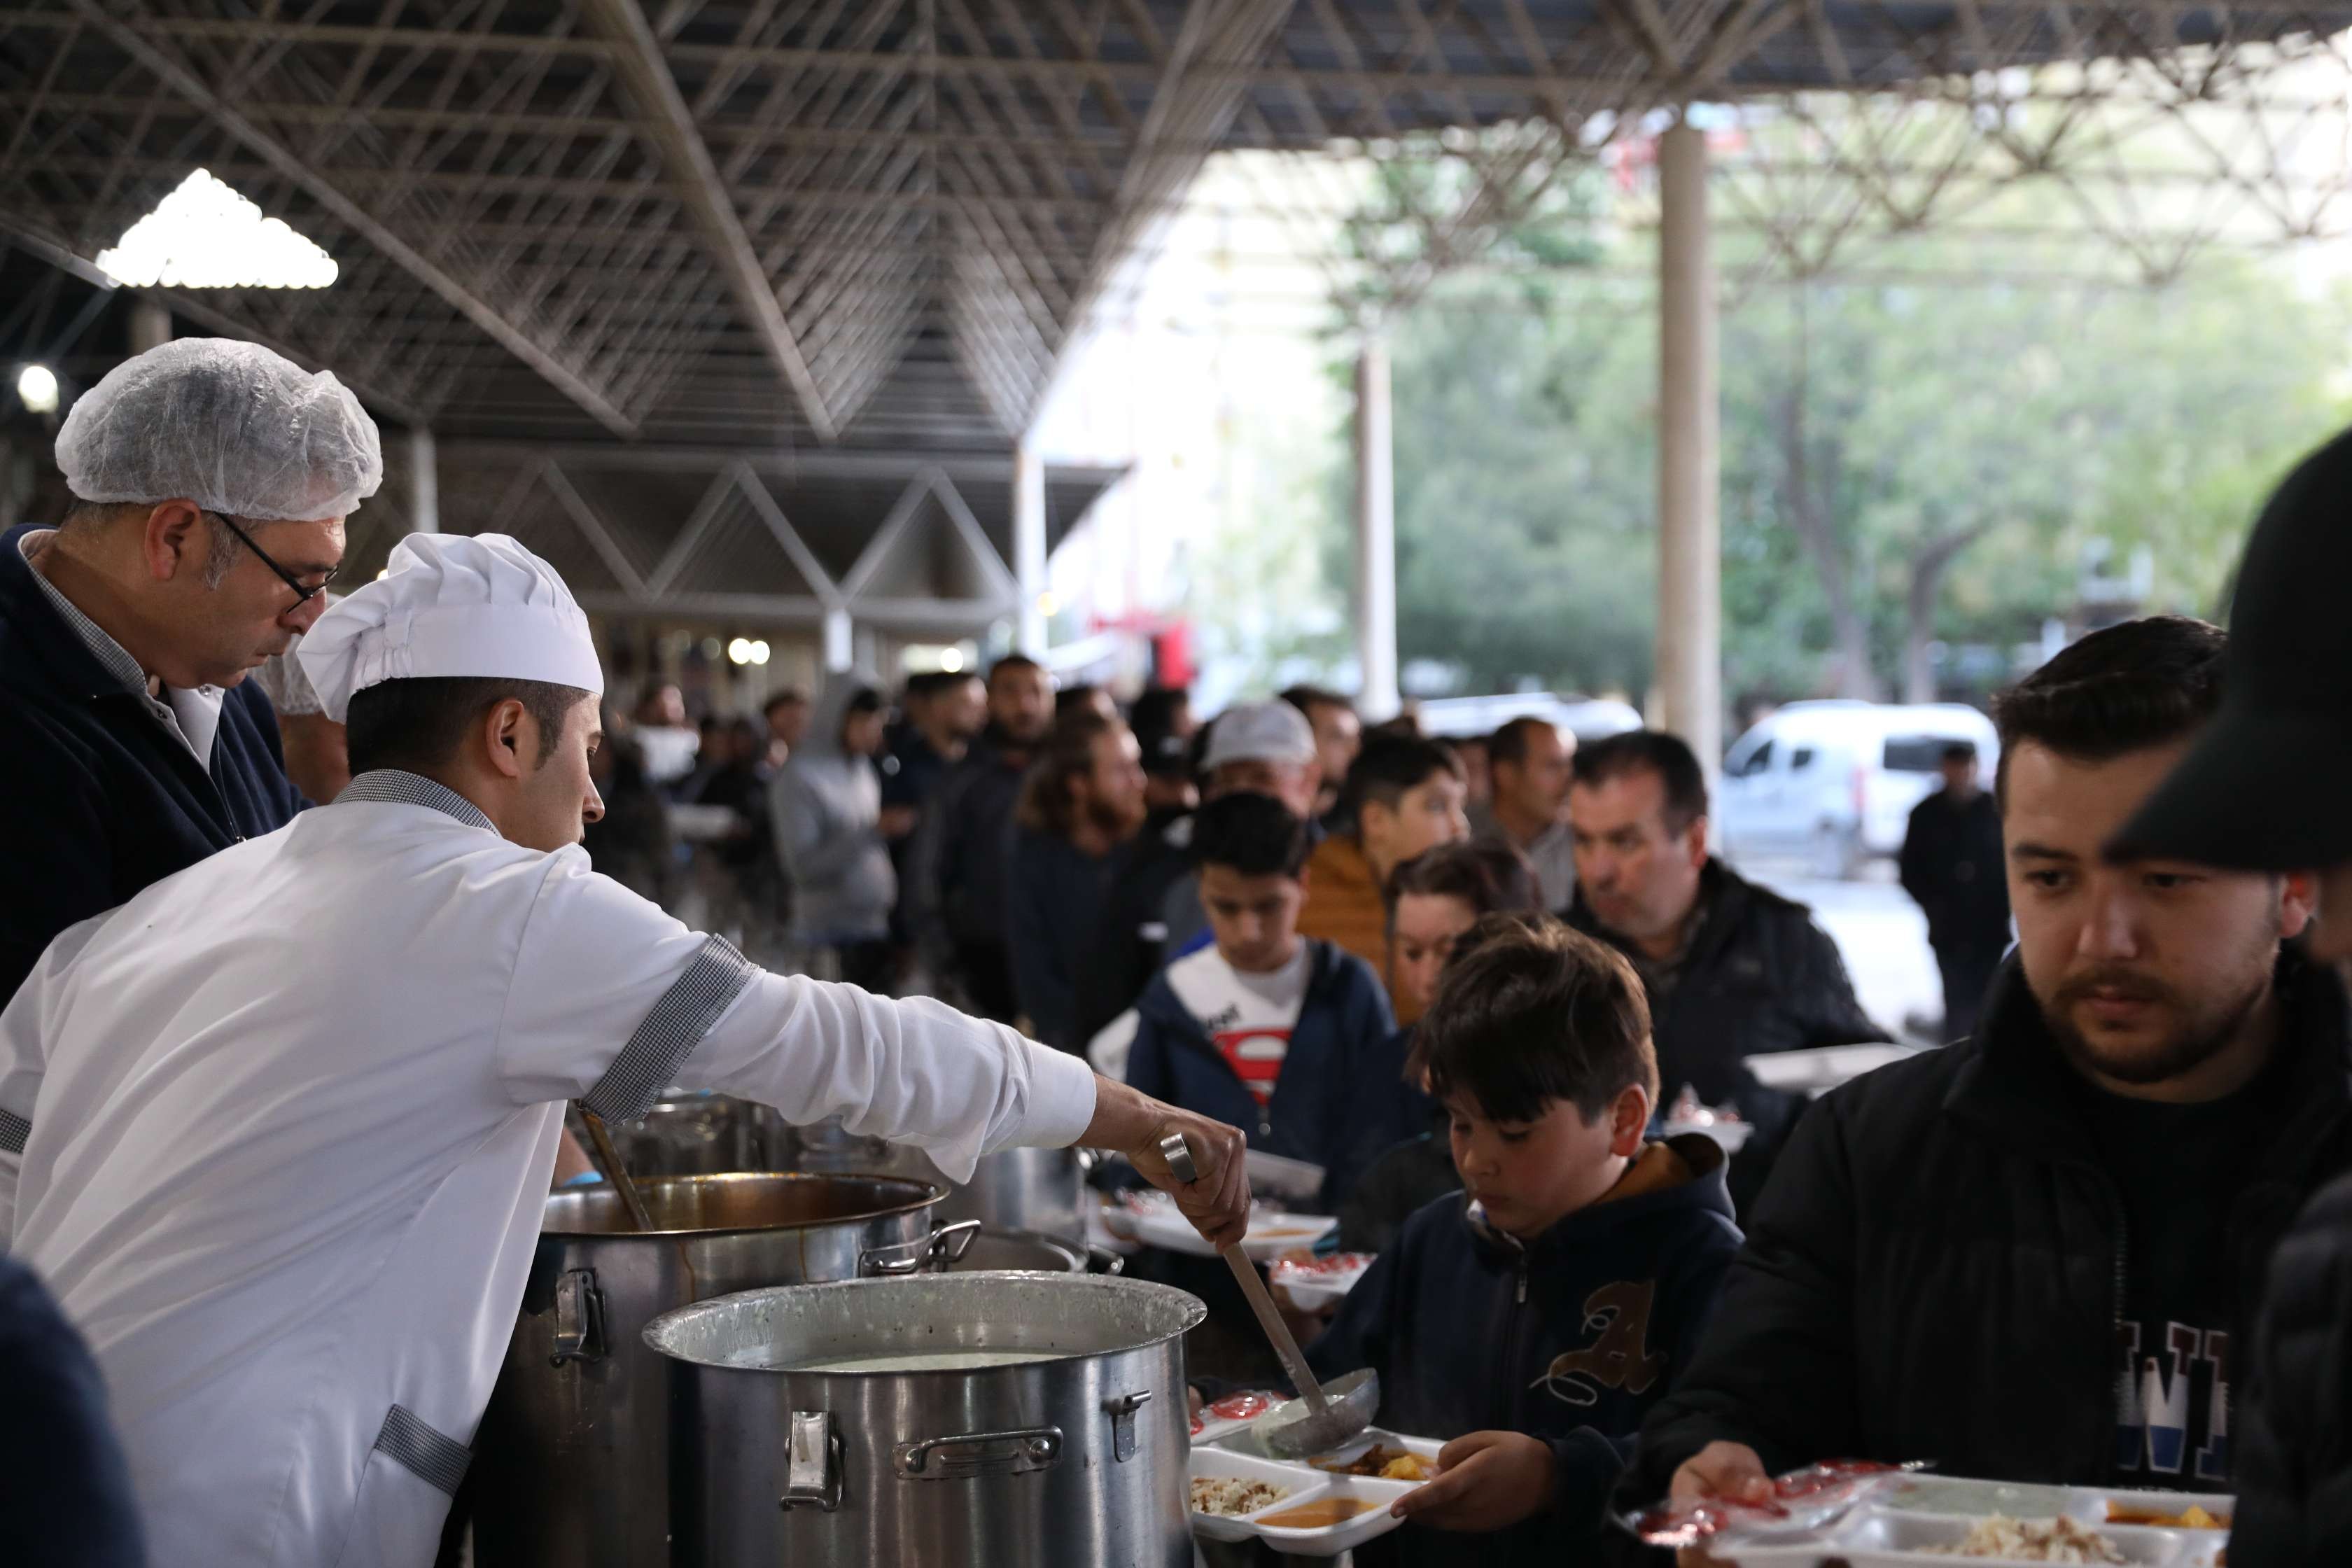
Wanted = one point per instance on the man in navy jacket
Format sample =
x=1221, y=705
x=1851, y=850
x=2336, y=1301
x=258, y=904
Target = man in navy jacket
x=211, y=479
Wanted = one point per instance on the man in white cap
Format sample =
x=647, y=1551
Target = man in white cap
x=210, y=479
x=285, y=1119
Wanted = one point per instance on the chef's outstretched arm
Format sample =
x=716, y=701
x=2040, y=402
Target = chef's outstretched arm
x=613, y=1001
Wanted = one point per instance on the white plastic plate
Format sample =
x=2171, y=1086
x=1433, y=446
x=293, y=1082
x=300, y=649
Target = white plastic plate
x=1314, y=1288
x=1818, y=1071
x=1889, y=1539
x=1278, y=1176
x=1308, y=1485
x=1215, y=1426
x=1272, y=1233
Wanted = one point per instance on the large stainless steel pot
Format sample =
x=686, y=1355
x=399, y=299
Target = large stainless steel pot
x=698, y=1133
x=1078, y=1459
x=995, y=1251
x=572, y=1460
x=1013, y=1189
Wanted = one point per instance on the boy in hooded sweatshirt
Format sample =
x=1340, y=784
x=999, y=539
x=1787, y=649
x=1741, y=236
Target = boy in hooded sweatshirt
x=1265, y=1029
x=1532, y=1320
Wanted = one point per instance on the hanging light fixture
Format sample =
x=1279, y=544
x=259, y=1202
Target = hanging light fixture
x=206, y=236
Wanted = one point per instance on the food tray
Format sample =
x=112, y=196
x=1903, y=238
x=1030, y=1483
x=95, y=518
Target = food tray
x=1313, y=1286
x=1156, y=1222
x=1308, y=1485
x=1820, y=1070
x=1221, y=1418
x=1897, y=1527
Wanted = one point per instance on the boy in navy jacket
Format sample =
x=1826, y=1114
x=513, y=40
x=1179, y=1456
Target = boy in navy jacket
x=1269, y=1031
x=1532, y=1320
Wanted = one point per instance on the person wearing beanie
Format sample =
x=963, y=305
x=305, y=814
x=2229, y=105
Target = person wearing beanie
x=210, y=479
x=276, y=1133
x=2263, y=790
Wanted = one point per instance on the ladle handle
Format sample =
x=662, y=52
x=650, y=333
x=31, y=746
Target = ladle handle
x=1182, y=1166
x=1269, y=1317
x=608, y=1160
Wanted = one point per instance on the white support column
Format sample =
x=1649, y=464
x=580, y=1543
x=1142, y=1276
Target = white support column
x=1690, y=534
x=151, y=325
x=424, y=482
x=1375, y=607
x=865, y=649
x=1029, y=547
x=839, y=641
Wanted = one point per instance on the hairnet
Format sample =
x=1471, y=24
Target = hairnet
x=227, y=424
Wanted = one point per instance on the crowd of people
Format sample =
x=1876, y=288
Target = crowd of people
x=281, y=1088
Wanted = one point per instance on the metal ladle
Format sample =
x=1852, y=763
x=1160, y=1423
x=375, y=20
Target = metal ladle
x=1320, y=1419
x=608, y=1162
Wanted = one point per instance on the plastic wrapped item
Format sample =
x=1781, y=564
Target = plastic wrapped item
x=227, y=424
x=1812, y=1498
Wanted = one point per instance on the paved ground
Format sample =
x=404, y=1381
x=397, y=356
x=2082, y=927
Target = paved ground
x=1879, y=929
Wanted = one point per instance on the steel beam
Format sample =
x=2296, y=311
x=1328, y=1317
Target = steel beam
x=476, y=308
x=638, y=59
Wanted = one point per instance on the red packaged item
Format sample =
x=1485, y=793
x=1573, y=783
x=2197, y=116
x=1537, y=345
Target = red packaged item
x=1233, y=1409
x=1808, y=1499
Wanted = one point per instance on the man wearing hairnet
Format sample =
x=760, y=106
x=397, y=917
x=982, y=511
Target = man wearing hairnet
x=210, y=479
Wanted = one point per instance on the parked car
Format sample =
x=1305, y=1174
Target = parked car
x=1586, y=718
x=1835, y=782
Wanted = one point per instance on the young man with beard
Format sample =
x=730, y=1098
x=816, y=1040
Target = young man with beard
x=2027, y=1256
x=1082, y=801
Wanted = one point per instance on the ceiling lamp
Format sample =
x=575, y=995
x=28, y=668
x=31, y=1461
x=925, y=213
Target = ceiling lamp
x=206, y=236
x=37, y=389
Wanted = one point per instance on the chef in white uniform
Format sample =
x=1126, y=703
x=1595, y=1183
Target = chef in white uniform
x=277, y=1131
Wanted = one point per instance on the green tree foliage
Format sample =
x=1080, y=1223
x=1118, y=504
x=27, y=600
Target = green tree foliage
x=1902, y=462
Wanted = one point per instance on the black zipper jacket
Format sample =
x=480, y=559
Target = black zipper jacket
x=1935, y=1270
x=1570, y=1338
x=101, y=799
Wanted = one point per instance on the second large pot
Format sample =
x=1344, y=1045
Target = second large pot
x=886, y=1421
x=1013, y=1189
x=572, y=1460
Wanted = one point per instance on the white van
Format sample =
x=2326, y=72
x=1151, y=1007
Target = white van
x=1835, y=782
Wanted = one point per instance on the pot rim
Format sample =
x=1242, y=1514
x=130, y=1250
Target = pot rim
x=934, y=1192
x=1192, y=1311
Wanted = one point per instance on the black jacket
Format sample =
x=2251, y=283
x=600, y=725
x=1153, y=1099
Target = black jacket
x=963, y=850
x=1054, y=899
x=1129, y=944
x=2295, y=1426
x=65, y=1490
x=1935, y=1271
x=1952, y=867
x=101, y=799
x=1571, y=1339
x=1759, y=976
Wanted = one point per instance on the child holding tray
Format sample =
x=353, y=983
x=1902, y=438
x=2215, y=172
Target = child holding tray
x=1533, y=1318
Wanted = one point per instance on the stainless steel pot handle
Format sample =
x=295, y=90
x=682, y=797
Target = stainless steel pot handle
x=1122, y=1423
x=813, y=1466
x=1001, y=1454
x=1101, y=1259
x=942, y=1246
x=579, y=1319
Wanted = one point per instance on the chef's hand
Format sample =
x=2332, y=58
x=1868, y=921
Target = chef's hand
x=1731, y=1470
x=1485, y=1481
x=1133, y=1123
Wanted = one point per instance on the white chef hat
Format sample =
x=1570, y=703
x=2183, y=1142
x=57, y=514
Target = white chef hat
x=452, y=605
x=227, y=424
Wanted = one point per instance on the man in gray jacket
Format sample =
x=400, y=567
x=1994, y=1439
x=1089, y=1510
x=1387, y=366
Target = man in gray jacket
x=833, y=835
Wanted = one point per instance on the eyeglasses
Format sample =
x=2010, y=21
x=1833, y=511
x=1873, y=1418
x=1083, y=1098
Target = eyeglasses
x=302, y=595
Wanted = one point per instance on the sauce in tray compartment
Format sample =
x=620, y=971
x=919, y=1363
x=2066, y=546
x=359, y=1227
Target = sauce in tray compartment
x=1322, y=1512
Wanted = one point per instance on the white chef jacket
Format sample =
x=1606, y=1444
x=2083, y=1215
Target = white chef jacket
x=279, y=1132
